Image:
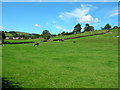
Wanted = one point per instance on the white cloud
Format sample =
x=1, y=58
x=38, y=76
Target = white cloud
x=79, y=14
x=1, y=27
x=62, y=28
x=88, y=19
x=37, y=25
x=114, y=12
x=60, y=16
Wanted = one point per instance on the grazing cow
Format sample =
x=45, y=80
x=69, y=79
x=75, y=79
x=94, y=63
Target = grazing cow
x=36, y=44
x=1, y=43
x=74, y=41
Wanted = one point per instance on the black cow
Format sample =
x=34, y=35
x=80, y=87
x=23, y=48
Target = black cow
x=1, y=44
x=74, y=41
x=36, y=44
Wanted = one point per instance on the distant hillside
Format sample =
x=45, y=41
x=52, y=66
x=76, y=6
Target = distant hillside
x=24, y=35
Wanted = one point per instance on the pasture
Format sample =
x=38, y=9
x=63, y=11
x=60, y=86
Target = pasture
x=91, y=62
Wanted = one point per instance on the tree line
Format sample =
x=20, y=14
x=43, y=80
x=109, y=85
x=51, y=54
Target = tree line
x=77, y=29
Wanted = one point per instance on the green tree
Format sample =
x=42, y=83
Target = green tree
x=14, y=34
x=107, y=26
x=46, y=35
x=77, y=29
x=102, y=28
x=87, y=28
x=3, y=36
x=91, y=28
x=115, y=27
x=58, y=34
x=63, y=33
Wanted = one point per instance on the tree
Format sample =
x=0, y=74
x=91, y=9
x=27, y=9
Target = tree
x=107, y=26
x=63, y=33
x=59, y=34
x=102, y=28
x=46, y=34
x=14, y=34
x=91, y=28
x=115, y=27
x=66, y=33
x=77, y=29
x=3, y=36
x=87, y=28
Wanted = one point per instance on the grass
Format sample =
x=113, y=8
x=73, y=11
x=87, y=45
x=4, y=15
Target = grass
x=57, y=37
x=19, y=33
x=80, y=34
x=91, y=62
x=25, y=40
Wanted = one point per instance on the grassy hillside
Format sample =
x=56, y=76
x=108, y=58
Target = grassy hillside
x=23, y=35
x=91, y=62
x=58, y=37
x=80, y=34
x=25, y=40
x=19, y=33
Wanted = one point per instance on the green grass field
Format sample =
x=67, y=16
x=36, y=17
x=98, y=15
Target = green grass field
x=91, y=62
x=79, y=34
x=57, y=37
x=25, y=40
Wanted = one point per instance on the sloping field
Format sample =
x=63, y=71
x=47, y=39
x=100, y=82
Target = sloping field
x=79, y=34
x=59, y=37
x=91, y=62
x=20, y=33
x=25, y=40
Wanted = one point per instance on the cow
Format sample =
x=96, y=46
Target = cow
x=74, y=41
x=36, y=44
x=1, y=43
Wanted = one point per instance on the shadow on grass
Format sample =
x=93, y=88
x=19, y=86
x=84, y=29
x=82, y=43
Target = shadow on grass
x=9, y=84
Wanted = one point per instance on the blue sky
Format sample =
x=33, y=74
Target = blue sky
x=34, y=17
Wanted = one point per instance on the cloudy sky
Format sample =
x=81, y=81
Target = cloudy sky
x=34, y=17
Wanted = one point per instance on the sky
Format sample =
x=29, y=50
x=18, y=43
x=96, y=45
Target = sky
x=34, y=17
x=59, y=0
